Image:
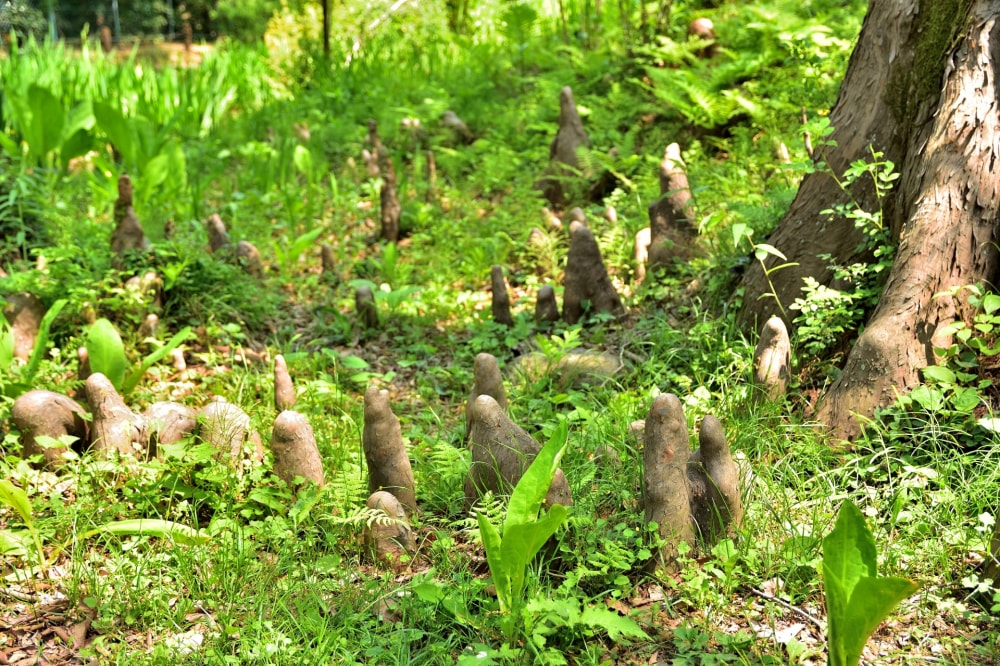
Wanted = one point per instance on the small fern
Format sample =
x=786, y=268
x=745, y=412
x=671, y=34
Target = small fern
x=349, y=486
x=588, y=161
x=489, y=505
x=445, y=464
x=361, y=517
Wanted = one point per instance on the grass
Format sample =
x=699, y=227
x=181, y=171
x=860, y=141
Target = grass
x=285, y=577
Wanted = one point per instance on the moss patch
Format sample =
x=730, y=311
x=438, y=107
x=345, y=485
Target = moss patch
x=938, y=25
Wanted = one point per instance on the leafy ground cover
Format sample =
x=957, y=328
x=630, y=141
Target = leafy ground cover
x=271, y=140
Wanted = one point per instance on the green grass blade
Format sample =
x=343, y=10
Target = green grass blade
x=136, y=375
x=164, y=529
x=42, y=340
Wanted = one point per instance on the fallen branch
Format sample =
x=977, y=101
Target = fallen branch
x=795, y=609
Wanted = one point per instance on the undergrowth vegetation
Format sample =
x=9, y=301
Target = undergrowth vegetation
x=270, y=138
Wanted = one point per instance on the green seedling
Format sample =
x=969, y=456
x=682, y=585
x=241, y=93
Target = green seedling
x=510, y=549
x=289, y=254
x=857, y=599
x=761, y=252
x=12, y=542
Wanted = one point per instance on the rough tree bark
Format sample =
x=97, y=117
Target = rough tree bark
x=921, y=88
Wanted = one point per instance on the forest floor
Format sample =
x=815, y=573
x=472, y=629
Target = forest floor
x=277, y=573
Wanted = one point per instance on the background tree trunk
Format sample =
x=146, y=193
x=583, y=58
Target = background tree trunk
x=861, y=117
x=920, y=87
x=326, y=27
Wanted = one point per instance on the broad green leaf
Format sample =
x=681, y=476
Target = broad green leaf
x=14, y=543
x=154, y=175
x=47, y=121
x=872, y=601
x=848, y=551
x=855, y=598
x=527, y=497
x=498, y=567
x=263, y=496
x=16, y=499
x=428, y=590
x=303, y=160
x=762, y=250
x=521, y=542
x=939, y=374
x=77, y=137
x=965, y=400
x=14, y=389
x=147, y=142
x=80, y=118
x=77, y=144
x=178, y=162
x=354, y=362
x=9, y=147
x=991, y=303
x=164, y=173
x=739, y=233
x=164, y=529
x=116, y=127
x=456, y=606
x=297, y=247
x=307, y=499
x=616, y=625
x=106, y=352
x=927, y=397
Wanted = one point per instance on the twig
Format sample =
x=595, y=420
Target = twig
x=795, y=609
x=20, y=596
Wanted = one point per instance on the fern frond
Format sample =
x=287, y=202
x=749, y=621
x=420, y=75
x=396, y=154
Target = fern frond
x=363, y=517
x=349, y=486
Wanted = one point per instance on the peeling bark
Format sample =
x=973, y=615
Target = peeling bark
x=860, y=118
x=921, y=89
x=949, y=190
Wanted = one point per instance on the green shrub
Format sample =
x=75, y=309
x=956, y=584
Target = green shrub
x=243, y=21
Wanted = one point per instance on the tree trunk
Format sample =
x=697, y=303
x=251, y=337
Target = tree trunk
x=326, y=27
x=921, y=88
